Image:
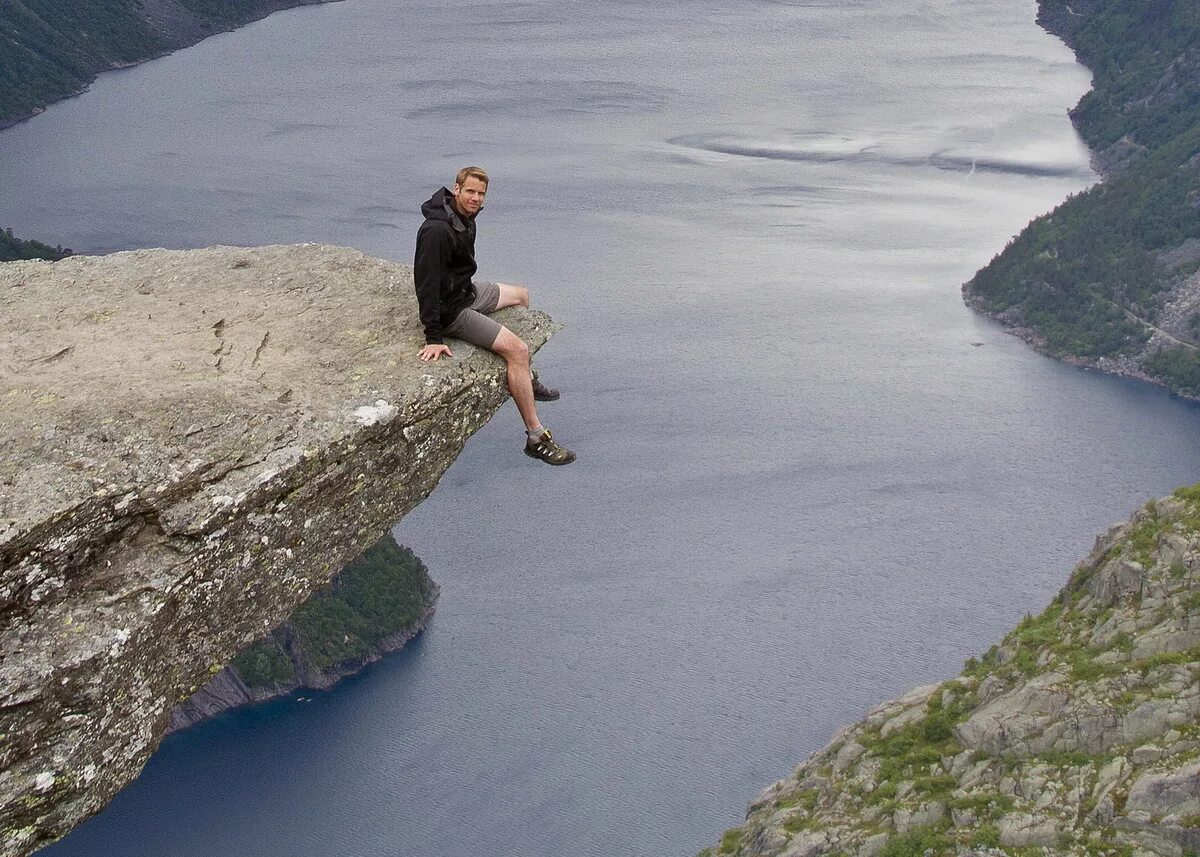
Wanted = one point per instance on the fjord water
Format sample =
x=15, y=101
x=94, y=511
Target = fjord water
x=809, y=478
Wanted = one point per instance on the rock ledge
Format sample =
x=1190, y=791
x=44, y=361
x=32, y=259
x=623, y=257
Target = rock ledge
x=194, y=441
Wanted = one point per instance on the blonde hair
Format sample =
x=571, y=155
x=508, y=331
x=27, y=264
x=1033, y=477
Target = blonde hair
x=469, y=173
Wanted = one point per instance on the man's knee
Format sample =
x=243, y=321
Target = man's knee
x=512, y=296
x=511, y=347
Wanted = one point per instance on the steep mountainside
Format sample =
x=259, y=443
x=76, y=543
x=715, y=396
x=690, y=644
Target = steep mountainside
x=1079, y=734
x=51, y=49
x=1111, y=278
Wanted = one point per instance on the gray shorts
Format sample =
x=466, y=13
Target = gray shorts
x=472, y=324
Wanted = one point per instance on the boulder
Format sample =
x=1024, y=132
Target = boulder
x=1167, y=792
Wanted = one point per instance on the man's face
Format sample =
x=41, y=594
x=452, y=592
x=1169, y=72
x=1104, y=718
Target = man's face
x=468, y=196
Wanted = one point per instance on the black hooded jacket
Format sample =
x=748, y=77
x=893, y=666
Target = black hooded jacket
x=444, y=265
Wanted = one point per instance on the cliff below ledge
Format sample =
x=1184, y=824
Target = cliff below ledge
x=194, y=442
x=372, y=607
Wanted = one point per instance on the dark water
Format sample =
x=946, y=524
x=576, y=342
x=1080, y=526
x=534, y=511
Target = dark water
x=809, y=477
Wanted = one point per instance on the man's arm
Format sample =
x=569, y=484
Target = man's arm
x=434, y=248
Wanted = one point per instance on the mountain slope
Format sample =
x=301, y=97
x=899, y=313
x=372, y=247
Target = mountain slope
x=1079, y=733
x=52, y=49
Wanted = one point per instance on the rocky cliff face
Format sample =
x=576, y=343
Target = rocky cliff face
x=1078, y=734
x=193, y=443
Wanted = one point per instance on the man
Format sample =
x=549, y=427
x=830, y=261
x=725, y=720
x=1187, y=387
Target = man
x=452, y=305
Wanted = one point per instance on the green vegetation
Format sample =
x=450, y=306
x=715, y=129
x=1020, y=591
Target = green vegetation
x=806, y=800
x=1087, y=276
x=1144, y=537
x=1131, y=46
x=384, y=591
x=986, y=836
x=913, y=754
x=731, y=841
x=985, y=804
x=797, y=823
x=13, y=248
x=1179, y=369
x=50, y=49
x=221, y=12
x=265, y=665
x=1076, y=274
x=915, y=843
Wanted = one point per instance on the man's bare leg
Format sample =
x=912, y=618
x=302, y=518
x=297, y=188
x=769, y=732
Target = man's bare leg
x=520, y=382
x=512, y=296
x=519, y=296
x=539, y=443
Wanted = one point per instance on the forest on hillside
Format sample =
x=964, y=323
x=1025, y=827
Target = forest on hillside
x=51, y=49
x=1092, y=276
x=13, y=248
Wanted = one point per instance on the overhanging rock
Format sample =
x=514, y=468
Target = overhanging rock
x=191, y=442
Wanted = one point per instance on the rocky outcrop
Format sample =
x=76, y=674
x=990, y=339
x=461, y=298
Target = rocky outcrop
x=1078, y=734
x=193, y=443
x=226, y=690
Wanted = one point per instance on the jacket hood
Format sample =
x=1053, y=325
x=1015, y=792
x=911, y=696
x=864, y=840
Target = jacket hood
x=440, y=206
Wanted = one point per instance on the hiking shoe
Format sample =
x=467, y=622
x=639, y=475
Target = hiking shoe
x=547, y=450
x=541, y=392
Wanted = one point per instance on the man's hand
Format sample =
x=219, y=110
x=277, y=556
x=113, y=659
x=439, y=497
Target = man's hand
x=433, y=352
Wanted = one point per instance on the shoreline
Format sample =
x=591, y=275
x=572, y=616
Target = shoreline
x=185, y=35
x=227, y=691
x=1126, y=367
x=1106, y=163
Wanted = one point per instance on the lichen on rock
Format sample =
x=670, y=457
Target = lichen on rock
x=185, y=462
x=1078, y=734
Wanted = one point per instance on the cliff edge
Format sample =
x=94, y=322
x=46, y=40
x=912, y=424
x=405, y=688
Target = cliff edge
x=194, y=441
x=1079, y=734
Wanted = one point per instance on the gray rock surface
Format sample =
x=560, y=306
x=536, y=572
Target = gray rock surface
x=224, y=691
x=1079, y=734
x=1163, y=793
x=194, y=441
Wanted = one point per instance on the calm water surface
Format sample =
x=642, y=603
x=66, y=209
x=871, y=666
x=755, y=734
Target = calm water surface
x=809, y=477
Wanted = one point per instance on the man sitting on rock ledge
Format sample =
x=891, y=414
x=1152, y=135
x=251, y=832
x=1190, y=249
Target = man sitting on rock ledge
x=452, y=305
